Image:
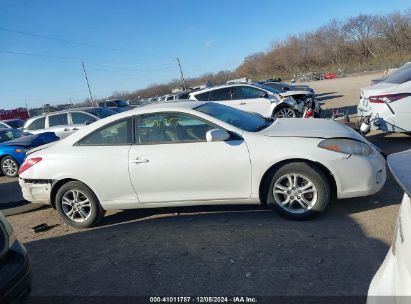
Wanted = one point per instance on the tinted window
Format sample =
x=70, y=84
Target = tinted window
x=9, y=134
x=220, y=94
x=15, y=123
x=37, y=124
x=203, y=96
x=100, y=112
x=276, y=86
x=116, y=133
x=58, y=120
x=79, y=118
x=403, y=76
x=250, y=92
x=243, y=120
x=170, y=128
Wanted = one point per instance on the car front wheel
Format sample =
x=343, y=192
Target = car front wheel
x=9, y=166
x=299, y=191
x=78, y=205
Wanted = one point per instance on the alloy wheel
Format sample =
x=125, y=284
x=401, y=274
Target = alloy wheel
x=295, y=193
x=76, y=206
x=285, y=113
x=9, y=167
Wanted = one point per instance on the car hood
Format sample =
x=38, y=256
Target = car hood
x=303, y=127
x=378, y=89
x=32, y=141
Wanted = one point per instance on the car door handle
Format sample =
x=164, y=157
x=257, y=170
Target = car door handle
x=242, y=103
x=66, y=129
x=139, y=160
x=75, y=129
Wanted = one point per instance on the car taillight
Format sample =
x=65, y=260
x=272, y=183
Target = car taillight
x=388, y=98
x=29, y=163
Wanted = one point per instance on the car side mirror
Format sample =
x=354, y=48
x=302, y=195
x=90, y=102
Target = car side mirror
x=263, y=95
x=217, y=135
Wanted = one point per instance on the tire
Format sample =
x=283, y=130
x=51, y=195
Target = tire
x=78, y=205
x=291, y=202
x=284, y=112
x=9, y=166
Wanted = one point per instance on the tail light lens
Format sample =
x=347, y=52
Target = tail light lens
x=28, y=163
x=388, y=98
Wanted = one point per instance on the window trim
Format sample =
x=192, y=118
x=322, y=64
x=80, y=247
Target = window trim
x=78, y=143
x=136, y=117
x=50, y=115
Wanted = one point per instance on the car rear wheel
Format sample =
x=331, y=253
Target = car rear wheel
x=299, y=191
x=285, y=112
x=9, y=166
x=78, y=205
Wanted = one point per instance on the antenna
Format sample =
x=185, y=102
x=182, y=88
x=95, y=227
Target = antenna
x=182, y=76
x=88, y=85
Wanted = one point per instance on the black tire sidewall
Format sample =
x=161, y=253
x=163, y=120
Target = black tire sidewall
x=316, y=175
x=17, y=164
x=96, y=211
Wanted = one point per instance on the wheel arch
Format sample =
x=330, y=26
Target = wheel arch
x=57, y=184
x=266, y=179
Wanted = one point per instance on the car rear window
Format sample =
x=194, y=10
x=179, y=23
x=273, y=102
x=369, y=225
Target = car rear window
x=403, y=76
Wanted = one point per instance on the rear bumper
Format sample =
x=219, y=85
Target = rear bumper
x=36, y=191
x=15, y=275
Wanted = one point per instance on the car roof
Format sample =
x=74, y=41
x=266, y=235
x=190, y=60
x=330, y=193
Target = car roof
x=62, y=112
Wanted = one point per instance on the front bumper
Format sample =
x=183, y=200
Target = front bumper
x=359, y=175
x=36, y=191
x=15, y=275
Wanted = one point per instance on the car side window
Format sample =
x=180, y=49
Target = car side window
x=250, y=92
x=220, y=94
x=79, y=118
x=58, y=120
x=203, y=96
x=113, y=134
x=37, y=124
x=171, y=128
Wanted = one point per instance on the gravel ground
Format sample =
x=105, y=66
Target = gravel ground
x=216, y=251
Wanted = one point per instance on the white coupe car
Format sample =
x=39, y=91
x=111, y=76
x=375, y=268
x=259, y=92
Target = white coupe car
x=198, y=153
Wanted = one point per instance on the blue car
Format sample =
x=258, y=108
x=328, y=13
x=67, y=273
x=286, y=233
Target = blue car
x=14, y=145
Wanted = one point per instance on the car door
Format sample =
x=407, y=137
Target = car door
x=248, y=98
x=59, y=124
x=101, y=161
x=171, y=161
x=80, y=119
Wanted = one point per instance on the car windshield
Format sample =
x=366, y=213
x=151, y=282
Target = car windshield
x=100, y=112
x=267, y=88
x=17, y=123
x=9, y=134
x=242, y=120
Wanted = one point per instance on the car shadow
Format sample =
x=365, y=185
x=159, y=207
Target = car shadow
x=328, y=97
x=223, y=251
x=347, y=110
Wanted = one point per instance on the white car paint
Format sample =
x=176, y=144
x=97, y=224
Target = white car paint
x=392, y=115
x=264, y=106
x=198, y=173
x=392, y=282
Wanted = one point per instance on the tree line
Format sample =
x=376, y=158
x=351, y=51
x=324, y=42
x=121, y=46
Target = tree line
x=364, y=42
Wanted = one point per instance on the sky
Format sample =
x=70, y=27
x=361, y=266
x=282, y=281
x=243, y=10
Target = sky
x=129, y=44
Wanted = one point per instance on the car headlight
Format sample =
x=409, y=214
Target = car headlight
x=347, y=146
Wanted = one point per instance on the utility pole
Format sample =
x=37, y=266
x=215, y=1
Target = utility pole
x=88, y=85
x=182, y=76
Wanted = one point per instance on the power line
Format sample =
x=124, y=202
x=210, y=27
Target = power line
x=79, y=43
